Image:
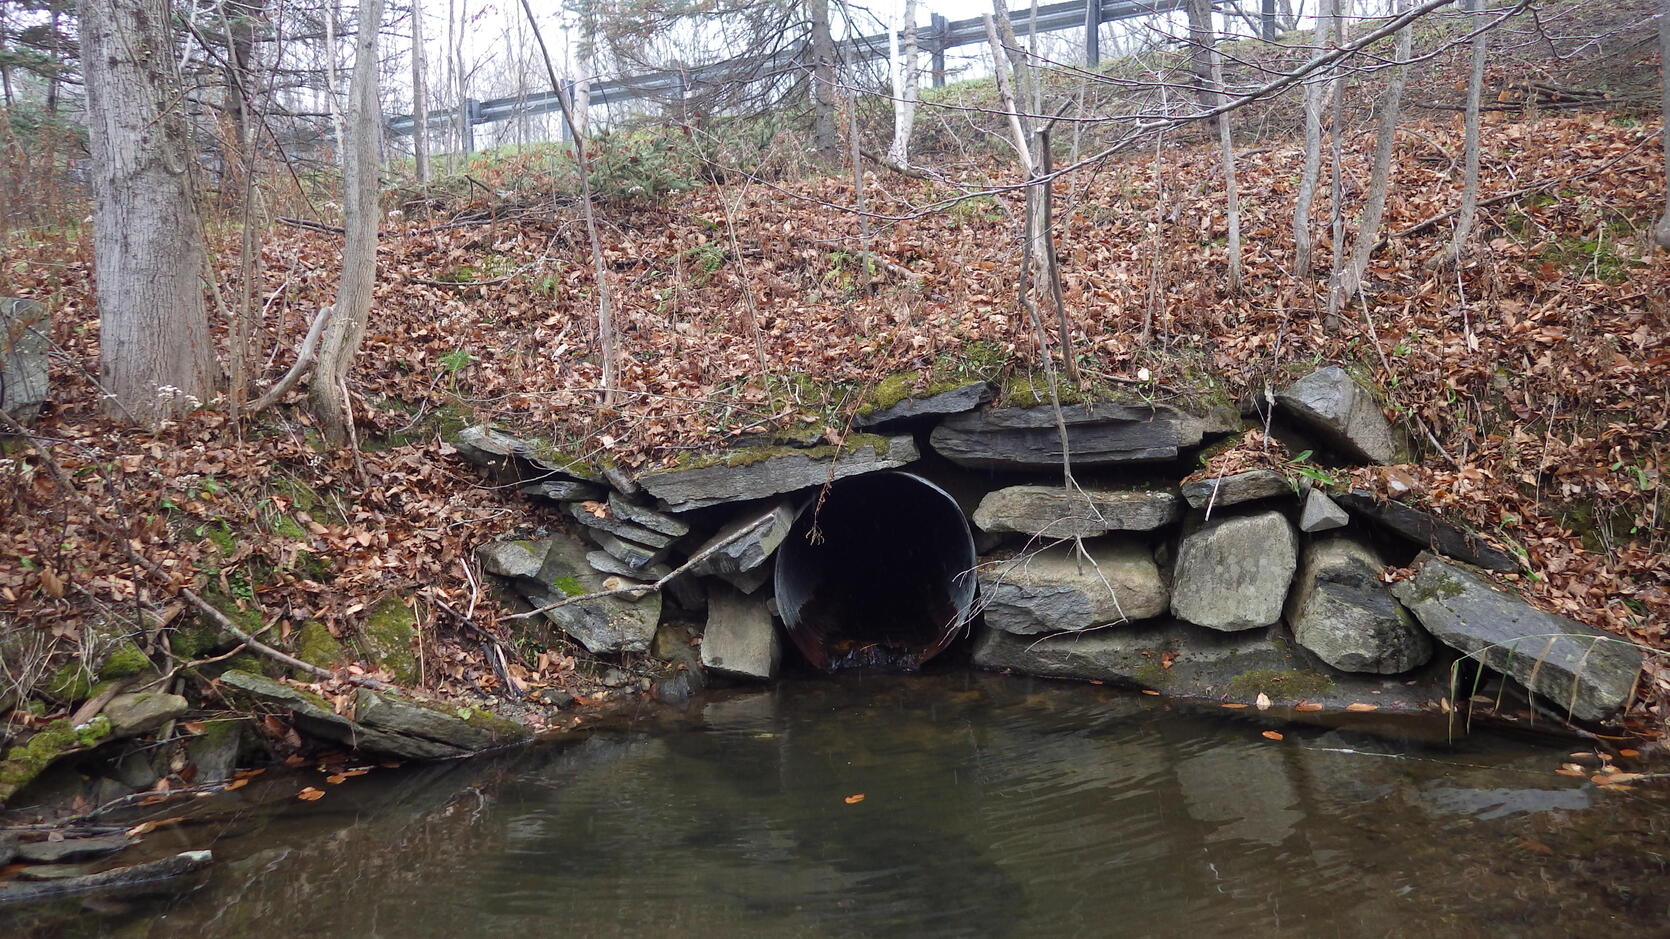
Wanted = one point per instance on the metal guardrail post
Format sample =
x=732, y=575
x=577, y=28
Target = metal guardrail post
x=938, y=25
x=472, y=117
x=1268, y=20
x=1093, y=32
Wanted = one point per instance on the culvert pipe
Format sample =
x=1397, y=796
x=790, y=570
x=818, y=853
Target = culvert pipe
x=878, y=573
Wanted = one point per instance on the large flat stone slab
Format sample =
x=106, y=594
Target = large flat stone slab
x=599, y=516
x=955, y=400
x=740, y=639
x=1060, y=590
x=25, y=335
x=1572, y=666
x=603, y=625
x=1345, y=614
x=746, y=542
x=1331, y=403
x=1097, y=435
x=1428, y=530
x=524, y=458
x=1057, y=512
x=1233, y=573
x=758, y=473
x=1232, y=490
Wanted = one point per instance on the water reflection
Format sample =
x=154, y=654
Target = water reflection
x=991, y=806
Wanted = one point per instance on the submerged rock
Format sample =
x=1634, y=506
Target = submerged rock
x=757, y=473
x=1234, y=573
x=740, y=639
x=1232, y=490
x=1573, y=666
x=1343, y=612
x=953, y=400
x=1059, y=590
x=1056, y=512
x=1429, y=530
x=1331, y=403
x=1097, y=435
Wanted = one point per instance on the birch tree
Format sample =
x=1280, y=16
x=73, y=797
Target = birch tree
x=1661, y=234
x=904, y=89
x=420, y=97
x=1315, y=93
x=1374, y=208
x=1470, y=180
x=1204, y=37
x=155, y=358
x=329, y=392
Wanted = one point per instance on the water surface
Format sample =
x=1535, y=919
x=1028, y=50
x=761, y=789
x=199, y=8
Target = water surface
x=991, y=806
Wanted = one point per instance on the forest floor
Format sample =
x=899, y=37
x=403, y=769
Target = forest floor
x=1540, y=368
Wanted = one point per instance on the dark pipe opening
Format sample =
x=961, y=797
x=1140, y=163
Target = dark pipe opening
x=880, y=574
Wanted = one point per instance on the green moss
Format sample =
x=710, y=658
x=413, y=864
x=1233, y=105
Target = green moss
x=1152, y=675
x=197, y=640
x=1280, y=685
x=387, y=636
x=125, y=660
x=24, y=763
x=751, y=455
x=902, y=385
x=287, y=527
x=476, y=716
x=316, y=646
x=220, y=535
x=568, y=585
x=71, y=683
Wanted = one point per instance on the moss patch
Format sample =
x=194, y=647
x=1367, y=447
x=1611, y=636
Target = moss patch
x=316, y=646
x=24, y=763
x=568, y=585
x=71, y=683
x=1280, y=685
x=901, y=386
x=387, y=636
x=751, y=455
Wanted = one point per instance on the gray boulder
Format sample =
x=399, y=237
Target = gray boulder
x=133, y=714
x=513, y=559
x=740, y=640
x=25, y=334
x=1573, y=666
x=609, y=522
x=952, y=401
x=1345, y=414
x=1165, y=656
x=1058, y=590
x=1342, y=611
x=1056, y=512
x=1097, y=435
x=757, y=473
x=602, y=625
x=1233, y=574
x=1429, y=530
x=1321, y=513
x=745, y=542
x=1241, y=487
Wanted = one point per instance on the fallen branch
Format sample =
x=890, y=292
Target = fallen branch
x=306, y=355
x=311, y=225
x=137, y=875
x=121, y=539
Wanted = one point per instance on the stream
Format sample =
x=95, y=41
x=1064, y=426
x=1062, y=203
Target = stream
x=989, y=806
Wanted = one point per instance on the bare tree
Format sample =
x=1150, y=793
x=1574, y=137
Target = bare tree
x=420, y=97
x=1385, y=137
x=154, y=355
x=1204, y=37
x=1315, y=91
x=824, y=140
x=1470, y=181
x=904, y=90
x=329, y=393
x=1661, y=234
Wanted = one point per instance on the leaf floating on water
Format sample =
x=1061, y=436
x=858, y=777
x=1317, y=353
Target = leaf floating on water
x=145, y=828
x=1628, y=753
x=1271, y=735
x=1234, y=705
x=336, y=779
x=1360, y=706
x=1307, y=706
x=1151, y=691
x=1571, y=769
x=1263, y=701
x=310, y=794
x=236, y=784
x=854, y=799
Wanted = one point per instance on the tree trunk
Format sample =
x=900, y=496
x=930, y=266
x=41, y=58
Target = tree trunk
x=1385, y=137
x=1661, y=234
x=1203, y=34
x=359, y=249
x=825, y=142
x=904, y=91
x=420, y=97
x=1470, y=181
x=1336, y=175
x=1315, y=91
x=155, y=357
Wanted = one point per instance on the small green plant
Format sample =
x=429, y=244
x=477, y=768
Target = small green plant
x=1315, y=474
x=456, y=360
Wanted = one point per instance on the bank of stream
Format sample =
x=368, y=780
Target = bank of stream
x=951, y=803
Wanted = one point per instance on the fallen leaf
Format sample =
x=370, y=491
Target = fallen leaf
x=1271, y=735
x=336, y=779
x=1536, y=847
x=1307, y=706
x=1620, y=777
x=1360, y=706
x=145, y=828
x=1234, y=705
x=1151, y=691
x=854, y=799
x=310, y=794
x=235, y=784
x=192, y=727
x=1628, y=753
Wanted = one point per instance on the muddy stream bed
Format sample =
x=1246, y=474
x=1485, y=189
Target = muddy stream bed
x=948, y=804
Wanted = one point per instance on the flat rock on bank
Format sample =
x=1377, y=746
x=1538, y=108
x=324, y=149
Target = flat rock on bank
x=1241, y=487
x=1572, y=666
x=1057, y=512
x=1059, y=589
x=742, y=475
x=949, y=401
x=1332, y=403
x=1098, y=435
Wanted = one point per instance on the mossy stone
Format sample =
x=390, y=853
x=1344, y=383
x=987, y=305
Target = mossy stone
x=316, y=646
x=124, y=661
x=70, y=683
x=24, y=763
x=387, y=637
x=1280, y=685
